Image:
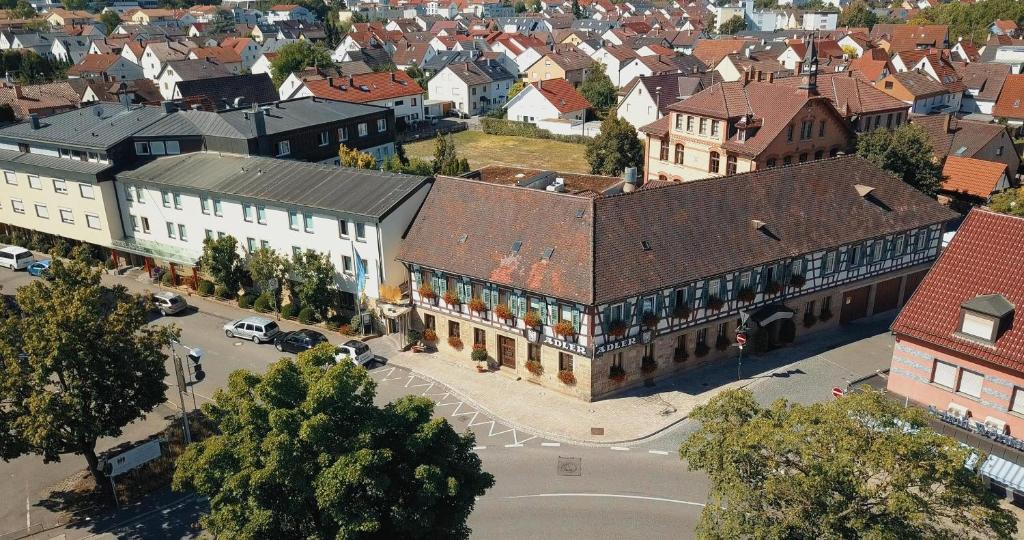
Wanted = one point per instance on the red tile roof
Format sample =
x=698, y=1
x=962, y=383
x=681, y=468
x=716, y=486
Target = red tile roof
x=1011, y=100
x=906, y=37
x=972, y=176
x=561, y=94
x=381, y=85
x=983, y=259
x=94, y=63
x=712, y=51
x=851, y=95
x=872, y=65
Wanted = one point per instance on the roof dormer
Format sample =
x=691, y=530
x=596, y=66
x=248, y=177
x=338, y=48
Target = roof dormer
x=985, y=317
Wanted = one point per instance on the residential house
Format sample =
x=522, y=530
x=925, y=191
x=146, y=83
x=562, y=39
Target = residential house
x=396, y=91
x=106, y=67
x=873, y=65
x=614, y=58
x=224, y=92
x=908, y=37
x=983, y=83
x=175, y=71
x=1002, y=27
x=42, y=100
x=571, y=65
x=175, y=203
x=473, y=87
x=70, y=49
x=63, y=17
x=646, y=99
x=864, y=107
x=156, y=54
x=968, y=181
x=630, y=289
x=960, y=137
x=247, y=49
x=1010, y=104
x=712, y=51
x=924, y=94
x=546, y=100
x=959, y=341
x=223, y=56
x=646, y=66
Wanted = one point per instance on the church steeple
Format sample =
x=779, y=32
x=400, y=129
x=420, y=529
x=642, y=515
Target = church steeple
x=809, y=68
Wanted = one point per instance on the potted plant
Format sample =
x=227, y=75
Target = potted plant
x=774, y=287
x=565, y=329
x=648, y=365
x=650, y=320
x=715, y=303
x=722, y=343
x=426, y=291
x=455, y=342
x=746, y=295
x=797, y=280
x=534, y=367
x=566, y=377
x=477, y=305
x=701, y=350
x=617, y=374
x=413, y=336
x=532, y=319
x=452, y=298
x=809, y=319
x=617, y=328
x=681, y=355
x=479, y=355
x=503, y=312
x=429, y=336
x=681, y=311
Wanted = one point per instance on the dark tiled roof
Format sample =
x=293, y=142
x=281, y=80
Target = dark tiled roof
x=220, y=92
x=673, y=87
x=957, y=137
x=987, y=79
x=983, y=259
x=919, y=84
x=480, y=72
x=98, y=126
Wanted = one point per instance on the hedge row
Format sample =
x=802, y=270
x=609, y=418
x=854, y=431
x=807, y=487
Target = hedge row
x=497, y=126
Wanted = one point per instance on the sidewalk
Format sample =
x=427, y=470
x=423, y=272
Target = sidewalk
x=645, y=412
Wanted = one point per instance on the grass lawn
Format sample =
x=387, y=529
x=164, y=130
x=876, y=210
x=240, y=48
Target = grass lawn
x=483, y=149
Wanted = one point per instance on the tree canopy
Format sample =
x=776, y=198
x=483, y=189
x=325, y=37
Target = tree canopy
x=446, y=157
x=1009, y=202
x=905, y=152
x=221, y=260
x=77, y=363
x=111, y=20
x=615, y=148
x=297, y=56
x=736, y=24
x=971, y=21
x=352, y=157
x=516, y=87
x=314, y=280
x=303, y=452
x=861, y=466
x=858, y=14
x=598, y=88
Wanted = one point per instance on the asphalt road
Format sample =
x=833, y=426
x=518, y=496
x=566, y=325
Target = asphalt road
x=603, y=492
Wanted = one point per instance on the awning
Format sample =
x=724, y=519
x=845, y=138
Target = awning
x=1006, y=473
x=148, y=248
x=769, y=314
x=392, y=311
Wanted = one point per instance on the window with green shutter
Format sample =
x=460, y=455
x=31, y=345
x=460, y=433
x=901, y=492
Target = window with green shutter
x=576, y=319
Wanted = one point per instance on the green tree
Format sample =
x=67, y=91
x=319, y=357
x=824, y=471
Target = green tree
x=516, y=87
x=858, y=467
x=221, y=260
x=535, y=6
x=858, y=14
x=905, y=152
x=520, y=6
x=77, y=5
x=446, y=157
x=110, y=20
x=598, y=88
x=577, y=11
x=303, y=452
x=414, y=166
x=78, y=363
x=1009, y=202
x=615, y=148
x=766, y=4
x=297, y=56
x=351, y=157
x=23, y=10
x=733, y=25
x=313, y=280
x=971, y=21
x=417, y=75
x=264, y=265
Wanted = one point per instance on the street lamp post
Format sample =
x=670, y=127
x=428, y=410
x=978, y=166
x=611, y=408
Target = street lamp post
x=195, y=355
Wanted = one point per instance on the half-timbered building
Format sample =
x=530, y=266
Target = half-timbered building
x=590, y=288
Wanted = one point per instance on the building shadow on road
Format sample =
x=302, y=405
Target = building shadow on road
x=765, y=365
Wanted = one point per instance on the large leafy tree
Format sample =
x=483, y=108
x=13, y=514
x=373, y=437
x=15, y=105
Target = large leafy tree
x=303, y=452
x=221, y=260
x=313, y=274
x=971, y=20
x=355, y=158
x=111, y=20
x=859, y=467
x=598, y=88
x=295, y=57
x=615, y=148
x=1009, y=202
x=77, y=363
x=516, y=87
x=264, y=265
x=905, y=152
x=858, y=14
x=733, y=25
x=446, y=157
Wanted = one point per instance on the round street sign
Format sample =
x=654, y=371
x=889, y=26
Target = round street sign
x=837, y=392
x=741, y=338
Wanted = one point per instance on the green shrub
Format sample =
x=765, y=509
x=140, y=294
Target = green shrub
x=307, y=315
x=167, y=279
x=205, y=288
x=333, y=323
x=220, y=291
x=497, y=126
x=245, y=301
x=412, y=336
x=290, y=311
x=109, y=263
x=264, y=303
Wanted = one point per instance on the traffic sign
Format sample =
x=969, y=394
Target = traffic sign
x=837, y=392
x=741, y=338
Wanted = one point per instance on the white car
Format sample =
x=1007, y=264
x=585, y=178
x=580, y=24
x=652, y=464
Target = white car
x=355, y=350
x=16, y=258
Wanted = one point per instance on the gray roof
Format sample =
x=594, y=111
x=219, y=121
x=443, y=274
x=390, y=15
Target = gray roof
x=480, y=72
x=990, y=304
x=191, y=70
x=48, y=165
x=280, y=117
x=98, y=126
x=359, y=192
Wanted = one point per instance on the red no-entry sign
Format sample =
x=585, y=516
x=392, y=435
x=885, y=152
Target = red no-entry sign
x=838, y=392
x=741, y=338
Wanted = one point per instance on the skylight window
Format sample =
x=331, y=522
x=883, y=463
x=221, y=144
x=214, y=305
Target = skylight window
x=548, y=252
x=646, y=245
x=516, y=246
x=579, y=213
x=462, y=239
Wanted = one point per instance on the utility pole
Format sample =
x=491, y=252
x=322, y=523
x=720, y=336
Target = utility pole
x=195, y=355
x=179, y=372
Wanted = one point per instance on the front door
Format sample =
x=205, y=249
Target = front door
x=507, y=351
x=855, y=304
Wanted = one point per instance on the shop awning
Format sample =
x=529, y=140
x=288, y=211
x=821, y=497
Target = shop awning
x=1005, y=472
x=769, y=314
x=157, y=250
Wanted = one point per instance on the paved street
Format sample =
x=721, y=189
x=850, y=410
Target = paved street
x=543, y=486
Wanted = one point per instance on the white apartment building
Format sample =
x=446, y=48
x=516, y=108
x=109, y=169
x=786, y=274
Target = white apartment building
x=474, y=87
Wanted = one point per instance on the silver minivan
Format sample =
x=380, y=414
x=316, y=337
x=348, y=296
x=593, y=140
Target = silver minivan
x=257, y=329
x=16, y=258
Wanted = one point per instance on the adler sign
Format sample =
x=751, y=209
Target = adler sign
x=616, y=345
x=574, y=348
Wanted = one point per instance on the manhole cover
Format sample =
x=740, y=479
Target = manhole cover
x=570, y=466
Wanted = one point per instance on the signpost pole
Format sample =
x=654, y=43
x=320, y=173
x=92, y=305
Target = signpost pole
x=113, y=489
x=741, y=340
x=179, y=371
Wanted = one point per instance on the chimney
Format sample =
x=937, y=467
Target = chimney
x=540, y=84
x=18, y=92
x=630, y=184
x=168, y=106
x=946, y=121
x=771, y=77
x=330, y=82
x=259, y=123
x=393, y=78
x=351, y=81
x=34, y=119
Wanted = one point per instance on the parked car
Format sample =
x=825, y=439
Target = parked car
x=257, y=329
x=40, y=268
x=355, y=350
x=16, y=258
x=169, y=303
x=298, y=341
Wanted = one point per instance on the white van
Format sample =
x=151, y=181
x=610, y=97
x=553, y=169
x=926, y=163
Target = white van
x=16, y=258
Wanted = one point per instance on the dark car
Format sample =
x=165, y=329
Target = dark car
x=298, y=341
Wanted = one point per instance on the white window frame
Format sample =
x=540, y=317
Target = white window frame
x=11, y=178
x=284, y=148
x=60, y=186
x=360, y=236
x=382, y=125
x=45, y=214
x=69, y=218
x=86, y=191
x=970, y=383
x=35, y=182
x=93, y=221
x=362, y=129
x=944, y=374
x=325, y=138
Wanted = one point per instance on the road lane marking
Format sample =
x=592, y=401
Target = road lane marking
x=619, y=448
x=659, y=452
x=479, y=448
x=550, y=444
x=607, y=495
x=513, y=446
